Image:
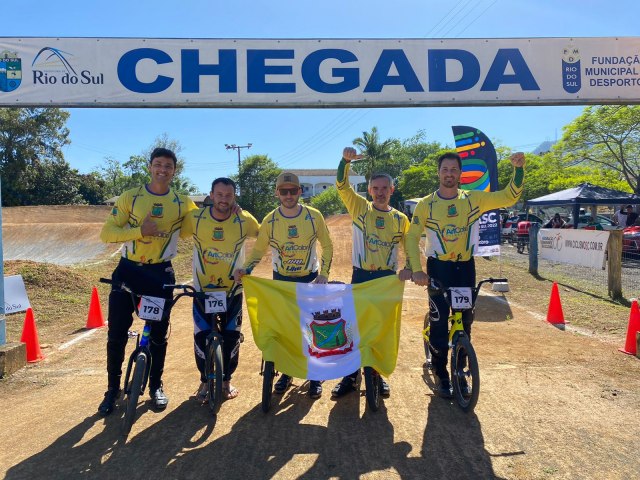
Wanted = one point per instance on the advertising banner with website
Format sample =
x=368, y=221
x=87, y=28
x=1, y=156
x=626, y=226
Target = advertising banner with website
x=154, y=72
x=578, y=247
x=480, y=172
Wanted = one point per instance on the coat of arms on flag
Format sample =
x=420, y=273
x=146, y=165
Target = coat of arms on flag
x=322, y=332
x=327, y=334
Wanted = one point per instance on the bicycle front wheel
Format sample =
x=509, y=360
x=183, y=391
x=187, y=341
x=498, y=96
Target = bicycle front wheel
x=268, y=372
x=134, y=391
x=372, y=386
x=215, y=373
x=465, y=374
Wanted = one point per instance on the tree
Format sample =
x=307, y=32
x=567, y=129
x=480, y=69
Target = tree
x=258, y=174
x=421, y=179
x=329, y=202
x=28, y=137
x=408, y=152
x=606, y=136
x=375, y=153
x=135, y=171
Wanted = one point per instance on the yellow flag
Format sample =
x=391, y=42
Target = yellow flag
x=321, y=332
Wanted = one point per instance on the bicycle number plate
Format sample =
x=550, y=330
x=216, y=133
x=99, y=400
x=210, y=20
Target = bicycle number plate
x=151, y=308
x=460, y=298
x=216, y=302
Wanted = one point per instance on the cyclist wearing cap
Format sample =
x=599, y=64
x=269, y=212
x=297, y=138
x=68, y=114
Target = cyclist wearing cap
x=291, y=230
x=219, y=234
x=449, y=216
x=378, y=230
x=148, y=220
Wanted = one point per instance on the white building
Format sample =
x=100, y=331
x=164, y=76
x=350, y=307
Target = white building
x=316, y=181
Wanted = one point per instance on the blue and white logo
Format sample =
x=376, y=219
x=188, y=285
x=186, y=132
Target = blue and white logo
x=571, y=77
x=10, y=71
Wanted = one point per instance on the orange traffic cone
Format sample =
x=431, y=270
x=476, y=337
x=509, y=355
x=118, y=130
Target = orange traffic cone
x=555, y=316
x=95, y=318
x=30, y=337
x=634, y=326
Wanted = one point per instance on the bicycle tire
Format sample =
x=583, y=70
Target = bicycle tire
x=469, y=374
x=372, y=388
x=427, y=344
x=214, y=371
x=268, y=373
x=134, y=391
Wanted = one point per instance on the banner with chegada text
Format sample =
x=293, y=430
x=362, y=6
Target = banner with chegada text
x=322, y=332
x=578, y=247
x=479, y=172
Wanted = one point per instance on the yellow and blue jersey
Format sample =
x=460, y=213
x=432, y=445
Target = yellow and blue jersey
x=293, y=243
x=376, y=234
x=124, y=224
x=219, y=246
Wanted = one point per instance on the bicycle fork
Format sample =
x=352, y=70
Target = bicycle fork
x=142, y=347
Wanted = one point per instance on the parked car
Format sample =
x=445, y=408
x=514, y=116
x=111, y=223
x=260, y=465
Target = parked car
x=585, y=220
x=510, y=226
x=631, y=240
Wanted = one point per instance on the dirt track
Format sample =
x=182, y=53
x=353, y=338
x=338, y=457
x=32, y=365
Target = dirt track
x=553, y=405
x=62, y=235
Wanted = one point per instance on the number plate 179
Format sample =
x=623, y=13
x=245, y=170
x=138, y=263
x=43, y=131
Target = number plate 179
x=461, y=298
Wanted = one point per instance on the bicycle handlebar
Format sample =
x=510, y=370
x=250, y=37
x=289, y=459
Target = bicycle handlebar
x=436, y=287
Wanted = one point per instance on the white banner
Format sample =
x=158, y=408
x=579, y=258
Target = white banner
x=578, y=247
x=104, y=72
x=15, y=295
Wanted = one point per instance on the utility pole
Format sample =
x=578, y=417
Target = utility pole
x=233, y=146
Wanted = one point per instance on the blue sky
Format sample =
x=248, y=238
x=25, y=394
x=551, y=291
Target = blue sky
x=297, y=138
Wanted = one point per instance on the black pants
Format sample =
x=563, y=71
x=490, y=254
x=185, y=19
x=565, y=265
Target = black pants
x=451, y=274
x=144, y=279
x=232, y=325
x=360, y=275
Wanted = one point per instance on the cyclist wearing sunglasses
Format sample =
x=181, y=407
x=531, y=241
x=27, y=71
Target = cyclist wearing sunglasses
x=292, y=230
x=378, y=230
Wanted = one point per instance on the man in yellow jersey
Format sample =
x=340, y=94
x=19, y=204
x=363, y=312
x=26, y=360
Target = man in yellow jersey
x=292, y=230
x=148, y=220
x=449, y=216
x=378, y=230
x=219, y=233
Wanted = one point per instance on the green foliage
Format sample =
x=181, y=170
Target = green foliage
x=29, y=138
x=421, y=179
x=606, y=137
x=257, y=181
x=375, y=154
x=135, y=171
x=328, y=202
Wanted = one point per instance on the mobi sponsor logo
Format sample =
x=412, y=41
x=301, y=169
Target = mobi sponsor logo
x=10, y=71
x=52, y=66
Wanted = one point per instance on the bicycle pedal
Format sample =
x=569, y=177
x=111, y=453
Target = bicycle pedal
x=132, y=334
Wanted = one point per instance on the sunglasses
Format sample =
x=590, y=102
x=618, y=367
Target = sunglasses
x=290, y=191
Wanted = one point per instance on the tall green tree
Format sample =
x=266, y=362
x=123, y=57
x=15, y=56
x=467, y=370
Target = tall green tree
x=28, y=137
x=606, y=136
x=258, y=175
x=375, y=154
